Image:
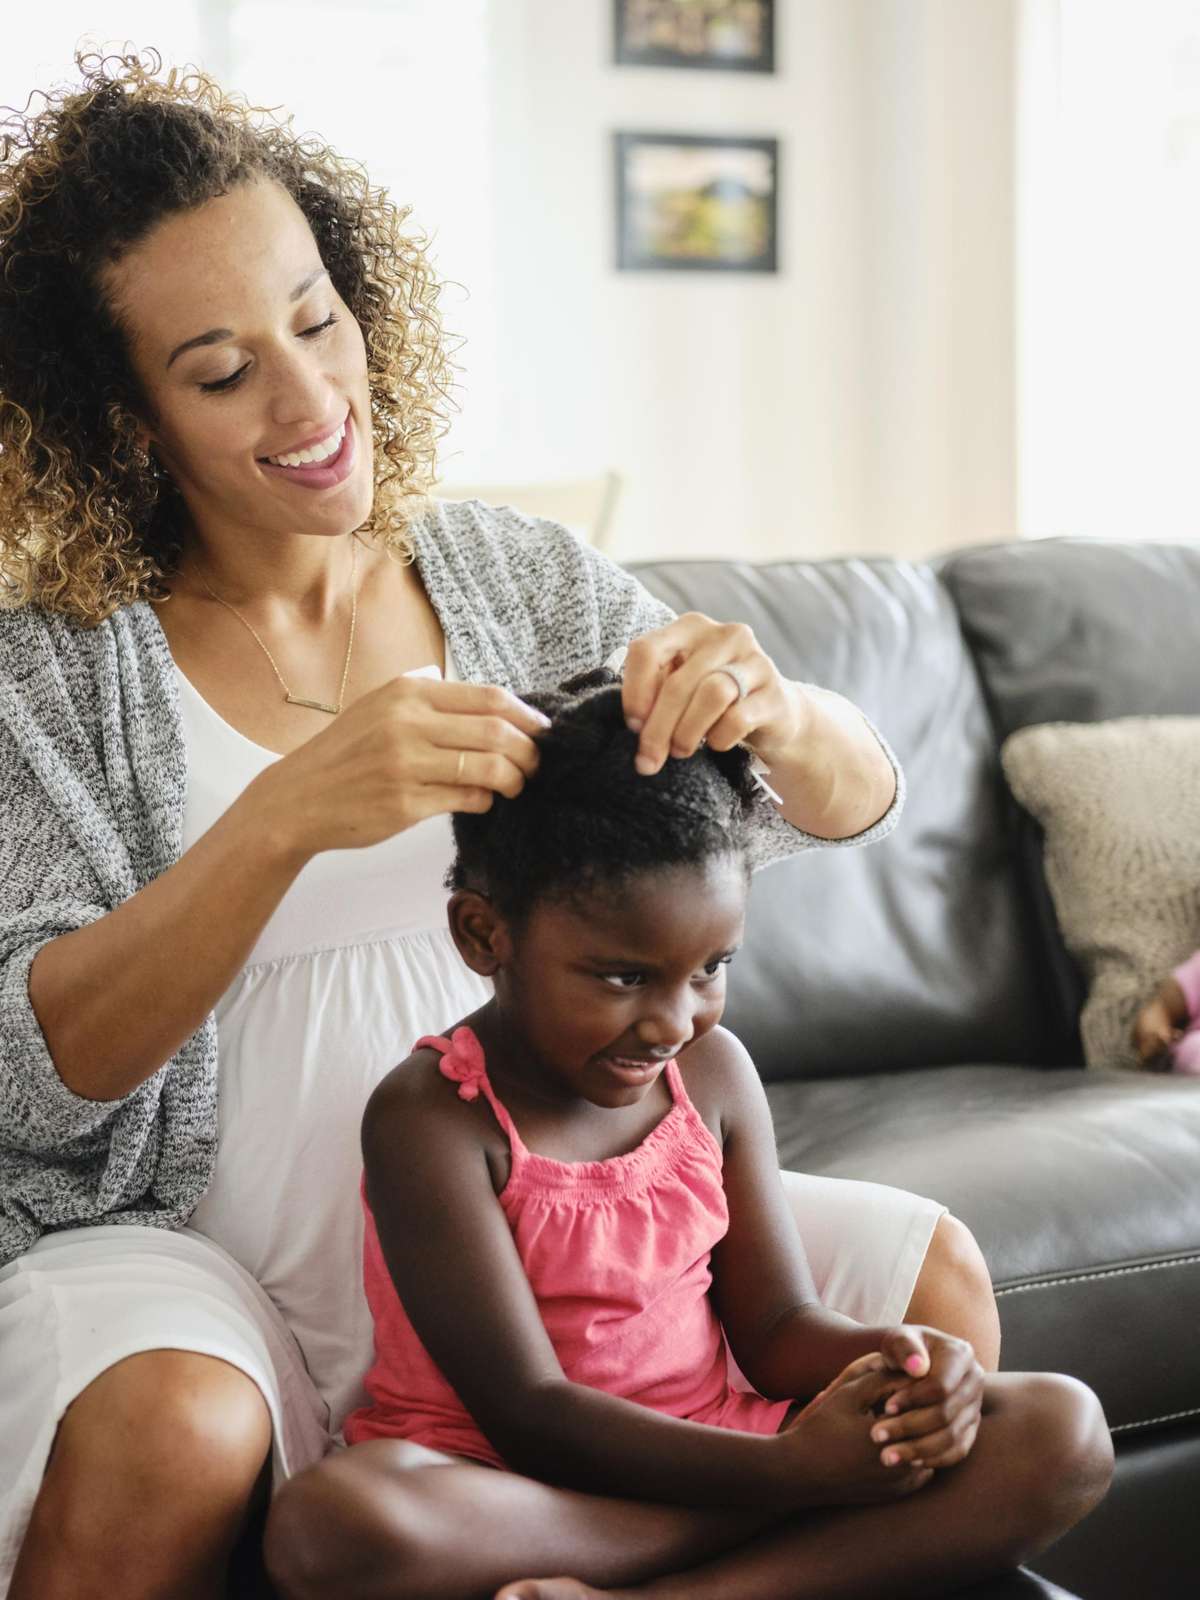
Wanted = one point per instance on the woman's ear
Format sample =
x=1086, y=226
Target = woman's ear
x=481, y=934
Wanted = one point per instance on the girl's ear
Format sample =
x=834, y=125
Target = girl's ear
x=479, y=931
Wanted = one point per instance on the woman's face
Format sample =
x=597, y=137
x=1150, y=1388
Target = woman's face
x=247, y=354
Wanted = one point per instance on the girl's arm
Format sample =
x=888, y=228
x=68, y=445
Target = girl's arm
x=784, y=1340
x=456, y=1269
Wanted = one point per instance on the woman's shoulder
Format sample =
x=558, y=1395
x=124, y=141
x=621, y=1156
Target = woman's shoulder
x=547, y=604
x=492, y=543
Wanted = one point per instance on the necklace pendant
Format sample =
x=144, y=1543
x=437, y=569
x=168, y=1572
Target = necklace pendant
x=313, y=705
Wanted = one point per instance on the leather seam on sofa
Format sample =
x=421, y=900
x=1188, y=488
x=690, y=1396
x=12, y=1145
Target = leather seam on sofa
x=1103, y=1272
x=1155, y=1422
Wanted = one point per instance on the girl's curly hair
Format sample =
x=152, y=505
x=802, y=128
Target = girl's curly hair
x=85, y=526
x=587, y=821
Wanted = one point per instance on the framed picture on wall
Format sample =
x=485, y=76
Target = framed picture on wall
x=728, y=35
x=696, y=203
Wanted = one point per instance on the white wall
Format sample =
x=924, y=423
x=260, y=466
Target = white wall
x=859, y=400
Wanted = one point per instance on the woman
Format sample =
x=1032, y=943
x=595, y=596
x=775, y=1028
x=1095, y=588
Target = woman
x=246, y=674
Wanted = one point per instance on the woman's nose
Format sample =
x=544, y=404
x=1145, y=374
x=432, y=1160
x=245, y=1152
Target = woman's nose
x=301, y=391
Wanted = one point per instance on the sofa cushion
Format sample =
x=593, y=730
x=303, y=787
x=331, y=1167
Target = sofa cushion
x=917, y=949
x=1119, y=807
x=1080, y=1187
x=1075, y=630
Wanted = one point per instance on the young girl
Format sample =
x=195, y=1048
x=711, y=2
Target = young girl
x=575, y=1229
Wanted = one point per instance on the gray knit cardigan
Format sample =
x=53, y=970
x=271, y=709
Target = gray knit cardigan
x=93, y=778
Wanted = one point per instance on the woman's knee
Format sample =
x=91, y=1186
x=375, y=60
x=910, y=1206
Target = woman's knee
x=954, y=1292
x=153, y=1468
x=161, y=1420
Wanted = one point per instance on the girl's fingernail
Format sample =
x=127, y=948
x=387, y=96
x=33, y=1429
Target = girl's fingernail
x=891, y=1458
x=892, y=1407
x=645, y=765
x=915, y=1364
x=634, y=724
x=879, y=1435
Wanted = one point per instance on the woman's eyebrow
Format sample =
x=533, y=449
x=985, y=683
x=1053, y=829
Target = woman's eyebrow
x=215, y=335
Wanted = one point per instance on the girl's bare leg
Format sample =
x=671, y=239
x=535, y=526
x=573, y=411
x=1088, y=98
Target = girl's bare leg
x=153, y=1469
x=953, y=1291
x=382, y=1521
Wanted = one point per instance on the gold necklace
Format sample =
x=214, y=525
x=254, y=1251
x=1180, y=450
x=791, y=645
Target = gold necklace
x=296, y=699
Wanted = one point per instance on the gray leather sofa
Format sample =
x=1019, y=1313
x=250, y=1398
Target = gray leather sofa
x=913, y=1011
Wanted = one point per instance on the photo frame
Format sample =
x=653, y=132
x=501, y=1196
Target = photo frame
x=696, y=202
x=717, y=35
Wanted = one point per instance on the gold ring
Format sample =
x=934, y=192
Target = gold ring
x=458, y=771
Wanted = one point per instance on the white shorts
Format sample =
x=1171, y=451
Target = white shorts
x=83, y=1299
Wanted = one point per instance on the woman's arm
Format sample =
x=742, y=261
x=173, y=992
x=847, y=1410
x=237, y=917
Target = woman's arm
x=115, y=999
x=456, y=1269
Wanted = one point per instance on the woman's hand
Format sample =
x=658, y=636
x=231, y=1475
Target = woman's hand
x=677, y=692
x=411, y=749
x=831, y=1441
x=696, y=679
x=932, y=1418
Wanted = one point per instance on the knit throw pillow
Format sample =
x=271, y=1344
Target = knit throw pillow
x=1119, y=804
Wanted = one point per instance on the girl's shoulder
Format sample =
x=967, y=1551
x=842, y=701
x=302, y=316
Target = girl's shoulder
x=417, y=1102
x=721, y=1079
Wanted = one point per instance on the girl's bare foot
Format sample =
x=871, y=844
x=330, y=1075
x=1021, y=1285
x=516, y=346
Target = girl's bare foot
x=554, y=1589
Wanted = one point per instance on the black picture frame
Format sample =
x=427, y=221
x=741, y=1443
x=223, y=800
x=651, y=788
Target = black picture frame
x=688, y=202
x=712, y=35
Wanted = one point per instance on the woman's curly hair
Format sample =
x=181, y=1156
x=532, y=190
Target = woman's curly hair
x=588, y=821
x=85, y=525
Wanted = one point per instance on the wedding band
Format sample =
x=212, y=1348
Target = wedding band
x=739, y=678
x=458, y=771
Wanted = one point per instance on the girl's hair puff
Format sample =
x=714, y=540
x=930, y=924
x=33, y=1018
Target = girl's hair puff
x=587, y=821
x=87, y=172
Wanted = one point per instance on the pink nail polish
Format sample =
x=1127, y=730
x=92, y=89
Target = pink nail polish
x=891, y=1458
x=915, y=1364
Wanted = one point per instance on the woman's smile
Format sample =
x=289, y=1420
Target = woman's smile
x=320, y=465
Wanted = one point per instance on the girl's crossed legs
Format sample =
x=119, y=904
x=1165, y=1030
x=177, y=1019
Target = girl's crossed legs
x=390, y=1519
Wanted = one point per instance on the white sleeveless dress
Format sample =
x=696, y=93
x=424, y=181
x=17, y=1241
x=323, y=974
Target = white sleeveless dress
x=355, y=964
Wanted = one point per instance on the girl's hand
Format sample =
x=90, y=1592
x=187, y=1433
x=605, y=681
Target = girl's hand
x=932, y=1418
x=832, y=1445
x=676, y=693
x=1154, y=1032
x=412, y=749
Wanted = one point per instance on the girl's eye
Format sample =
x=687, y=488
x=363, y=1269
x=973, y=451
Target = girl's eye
x=234, y=378
x=623, y=980
x=714, y=967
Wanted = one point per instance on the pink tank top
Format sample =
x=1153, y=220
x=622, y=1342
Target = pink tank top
x=617, y=1253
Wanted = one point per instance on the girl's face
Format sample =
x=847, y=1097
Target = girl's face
x=603, y=994
x=246, y=353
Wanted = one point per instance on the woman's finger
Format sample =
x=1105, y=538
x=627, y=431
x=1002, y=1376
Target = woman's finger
x=477, y=769
x=732, y=644
x=486, y=732
x=651, y=656
x=718, y=713
x=477, y=699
